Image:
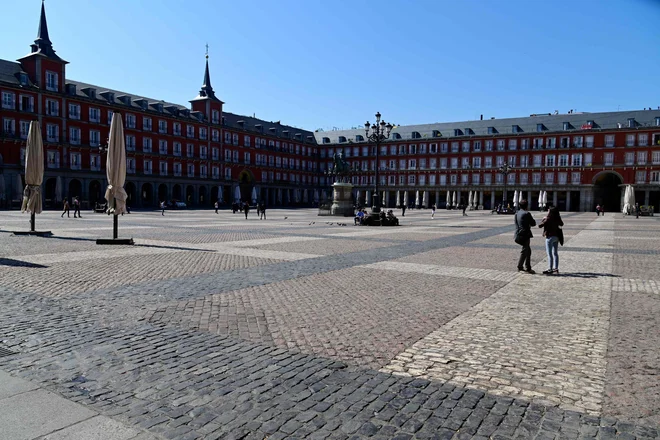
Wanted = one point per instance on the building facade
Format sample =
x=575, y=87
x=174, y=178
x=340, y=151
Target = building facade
x=200, y=153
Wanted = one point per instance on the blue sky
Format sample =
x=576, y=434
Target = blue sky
x=334, y=63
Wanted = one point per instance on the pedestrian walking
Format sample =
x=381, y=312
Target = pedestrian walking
x=262, y=211
x=464, y=208
x=246, y=208
x=554, y=236
x=638, y=210
x=403, y=210
x=524, y=222
x=433, y=210
x=597, y=210
x=216, y=206
x=76, y=207
x=162, y=207
x=65, y=208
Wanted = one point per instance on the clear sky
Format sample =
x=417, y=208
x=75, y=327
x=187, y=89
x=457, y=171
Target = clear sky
x=334, y=63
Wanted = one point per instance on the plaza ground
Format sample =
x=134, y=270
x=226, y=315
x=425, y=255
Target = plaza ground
x=299, y=326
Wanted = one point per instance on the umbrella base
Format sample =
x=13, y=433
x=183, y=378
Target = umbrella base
x=124, y=241
x=37, y=233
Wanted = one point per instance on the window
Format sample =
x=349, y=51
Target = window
x=642, y=140
x=203, y=152
x=524, y=179
x=475, y=179
x=443, y=147
x=629, y=158
x=476, y=162
x=203, y=172
x=130, y=121
x=608, y=159
x=512, y=161
x=147, y=166
x=443, y=163
x=52, y=133
x=551, y=142
x=499, y=161
x=26, y=104
x=630, y=140
x=489, y=145
x=8, y=127
x=589, y=141
x=53, y=158
x=632, y=123
x=524, y=144
x=271, y=159
x=52, y=82
x=576, y=178
x=640, y=177
x=656, y=157
x=190, y=150
x=25, y=129
x=203, y=133
x=576, y=160
x=162, y=146
x=8, y=100
x=566, y=126
x=609, y=140
x=465, y=179
x=588, y=159
x=176, y=129
x=163, y=168
x=477, y=146
x=538, y=160
x=562, y=178
x=215, y=153
x=500, y=145
x=190, y=131
x=536, y=178
x=176, y=168
x=191, y=170
x=94, y=115
x=488, y=162
x=538, y=143
x=94, y=138
x=246, y=158
x=162, y=126
x=454, y=162
x=215, y=116
x=453, y=179
x=550, y=160
x=443, y=179
x=74, y=111
x=465, y=162
x=454, y=147
x=550, y=178
x=641, y=157
x=75, y=161
x=513, y=144
x=177, y=149
x=146, y=145
x=130, y=165
x=110, y=114
x=564, y=142
x=215, y=137
x=540, y=127
x=52, y=107
x=524, y=161
x=491, y=130
x=95, y=162
x=488, y=179
x=655, y=176
x=146, y=123
x=563, y=160
x=466, y=147
x=499, y=179
x=577, y=141
x=412, y=164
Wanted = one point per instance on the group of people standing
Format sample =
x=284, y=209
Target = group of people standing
x=552, y=231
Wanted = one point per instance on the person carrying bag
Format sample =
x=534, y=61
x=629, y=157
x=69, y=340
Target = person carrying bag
x=554, y=236
x=524, y=222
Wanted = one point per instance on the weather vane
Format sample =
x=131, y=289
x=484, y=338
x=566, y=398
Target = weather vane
x=207, y=51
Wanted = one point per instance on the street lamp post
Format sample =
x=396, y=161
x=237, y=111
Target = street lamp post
x=377, y=133
x=505, y=170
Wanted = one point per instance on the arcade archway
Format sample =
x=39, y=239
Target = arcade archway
x=162, y=192
x=607, y=191
x=95, y=195
x=147, y=195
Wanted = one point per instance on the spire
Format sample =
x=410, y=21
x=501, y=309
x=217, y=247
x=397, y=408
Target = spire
x=42, y=35
x=42, y=45
x=206, y=92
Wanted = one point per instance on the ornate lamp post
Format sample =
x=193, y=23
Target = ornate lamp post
x=505, y=170
x=377, y=133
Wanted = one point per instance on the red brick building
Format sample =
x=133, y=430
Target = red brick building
x=201, y=153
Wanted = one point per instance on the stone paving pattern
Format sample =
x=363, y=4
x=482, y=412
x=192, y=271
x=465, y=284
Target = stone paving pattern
x=299, y=327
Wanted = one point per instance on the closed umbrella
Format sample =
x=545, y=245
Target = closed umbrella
x=279, y=196
x=237, y=194
x=398, y=199
x=448, y=198
x=383, y=200
x=34, y=173
x=455, y=199
x=425, y=199
x=628, y=200
x=515, y=198
x=417, y=202
x=368, y=198
x=470, y=198
x=405, y=198
x=358, y=196
x=254, y=195
x=545, y=198
x=115, y=172
x=540, y=199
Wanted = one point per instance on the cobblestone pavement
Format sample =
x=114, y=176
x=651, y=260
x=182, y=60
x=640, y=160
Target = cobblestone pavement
x=300, y=327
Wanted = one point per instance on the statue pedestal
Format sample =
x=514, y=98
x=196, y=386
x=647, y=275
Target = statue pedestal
x=342, y=200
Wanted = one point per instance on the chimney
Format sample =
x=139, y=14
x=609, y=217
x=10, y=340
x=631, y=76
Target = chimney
x=481, y=118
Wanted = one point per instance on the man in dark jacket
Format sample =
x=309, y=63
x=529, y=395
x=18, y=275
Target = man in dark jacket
x=524, y=222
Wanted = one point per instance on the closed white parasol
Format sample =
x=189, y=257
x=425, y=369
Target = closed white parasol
x=34, y=170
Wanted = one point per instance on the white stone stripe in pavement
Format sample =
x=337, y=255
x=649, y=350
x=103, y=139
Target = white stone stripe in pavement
x=458, y=272
x=637, y=286
x=542, y=338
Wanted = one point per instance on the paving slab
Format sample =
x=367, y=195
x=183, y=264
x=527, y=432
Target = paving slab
x=96, y=428
x=10, y=385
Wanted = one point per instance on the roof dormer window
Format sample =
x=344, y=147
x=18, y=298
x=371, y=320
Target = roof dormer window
x=567, y=126
x=285, y=133
x=326, y=140
x=396, y=136
x=437, y=133
x=416, y=135
x=71, y=89
x=23, y=78
x=342, y=139
x=259, y=128
x=160, y=107
x=458, y=132
x=540, y=127
x=492, y=130
x=359, y=138
x=469, y=131
x=515, y=128
x=632, y=123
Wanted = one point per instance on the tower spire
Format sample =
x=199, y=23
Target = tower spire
x=42, y=45
x=206, y=92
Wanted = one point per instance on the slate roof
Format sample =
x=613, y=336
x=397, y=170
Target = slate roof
x=527, y=126
x=9, y=73
x=251, y=124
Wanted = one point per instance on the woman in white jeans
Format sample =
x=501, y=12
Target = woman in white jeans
x=551, y=225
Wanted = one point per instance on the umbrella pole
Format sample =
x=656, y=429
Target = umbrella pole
x=32, y=222
x=115, y=223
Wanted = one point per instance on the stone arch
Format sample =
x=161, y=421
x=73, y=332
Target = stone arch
x=49, y=192
x=162, y=193
x=190, y=194
x=75, y=189
x=96, y=194
x=147, y=195
x=203, y=196
x=130, y=193
x=607, y=190
x=176, y=192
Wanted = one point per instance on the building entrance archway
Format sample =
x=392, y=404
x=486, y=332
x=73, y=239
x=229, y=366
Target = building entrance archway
x=246, y=183
x=607, y=192
x=95, y=195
